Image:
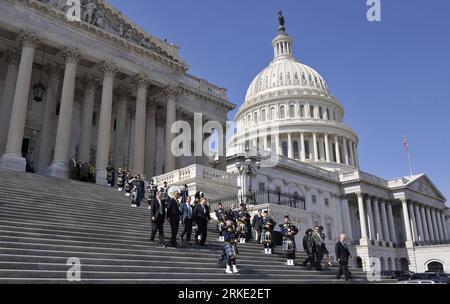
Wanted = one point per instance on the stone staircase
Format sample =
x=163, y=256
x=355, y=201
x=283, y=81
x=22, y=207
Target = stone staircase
x=45, y=221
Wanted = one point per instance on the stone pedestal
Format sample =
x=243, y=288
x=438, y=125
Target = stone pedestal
x=59, y=168
x=12, y=161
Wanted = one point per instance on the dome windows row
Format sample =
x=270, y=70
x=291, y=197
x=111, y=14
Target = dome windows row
x=292, y=111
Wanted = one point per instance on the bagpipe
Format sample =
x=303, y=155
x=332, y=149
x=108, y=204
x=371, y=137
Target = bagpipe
x=268, y=228
x=128, y=187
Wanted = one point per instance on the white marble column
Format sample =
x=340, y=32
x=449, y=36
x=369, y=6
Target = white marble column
x=321, y=148
x=355, y=148
x=418, y=217
x=338, y=151
x=392, y=231
x=12, y=158
x=406, y=220
x=344, y=143
x=435, y=225
x=414, y=226
x=223, y=147
x=424, y=224
x=59, y=166
x=277, y=144
x=265, y=143
x=171, y=94
x=150, y=135
x=430, y=224
x=385, y=221
x=352, y=154
x=123, y=95
x=379, y=229
x=441, y=232
x=90, y=85
x=347, y=225
x=302, y=147
x=445, y=227
x=362, y=216
x=142, y=82
x=327, y=149
x=109, y=69
x=316, y=151
x=370, y=219
x=12, y=60
x=290, y=148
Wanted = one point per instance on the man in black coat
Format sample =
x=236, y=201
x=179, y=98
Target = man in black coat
x=342, y=255
x=201, y=217
x=158, y=214
x=173, y=215
x=256, y=224
x=140, y=190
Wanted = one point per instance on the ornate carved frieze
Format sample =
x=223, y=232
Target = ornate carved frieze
x=172, y=92
x=99, y=14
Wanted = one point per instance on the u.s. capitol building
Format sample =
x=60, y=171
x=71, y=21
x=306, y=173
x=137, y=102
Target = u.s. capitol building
x=113, y=91
x=289, y=111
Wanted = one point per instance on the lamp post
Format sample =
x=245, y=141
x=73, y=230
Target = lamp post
x=247, y=169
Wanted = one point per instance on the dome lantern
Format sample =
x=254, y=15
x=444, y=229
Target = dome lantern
x=282, y=44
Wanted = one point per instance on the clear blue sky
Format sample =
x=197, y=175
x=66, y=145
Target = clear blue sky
x=393, y=76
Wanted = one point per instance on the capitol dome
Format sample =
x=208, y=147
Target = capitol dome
x=286, y=72
x=290, y=110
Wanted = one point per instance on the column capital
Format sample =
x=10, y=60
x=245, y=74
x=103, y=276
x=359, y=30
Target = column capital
x=71, y=55
x=141, y=80
x=90, y=82
x=172, y=92
x=53, y=72
x=12, y=56
x=109, y=68
x=28, y=38
x=359, y=194
x=151, y=102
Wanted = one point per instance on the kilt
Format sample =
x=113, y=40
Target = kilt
x=229, y=250
x=285, y=246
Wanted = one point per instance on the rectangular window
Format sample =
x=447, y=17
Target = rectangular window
x=314, y=199
x=327, y=202
x=311, y=111
x=262, y=187
x=302, y=111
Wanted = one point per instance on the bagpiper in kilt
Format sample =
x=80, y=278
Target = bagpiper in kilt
x=220, y=214
x=230, y=236
x=267, y=227
x=289, y=231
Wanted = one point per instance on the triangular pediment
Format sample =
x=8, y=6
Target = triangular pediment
x=424, y=185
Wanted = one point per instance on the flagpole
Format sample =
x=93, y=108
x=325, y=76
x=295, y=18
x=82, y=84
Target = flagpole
x=410, y=166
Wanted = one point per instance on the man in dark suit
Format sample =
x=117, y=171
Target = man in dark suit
x=158, y=214
x=186, y=218
x=201, y=217
x=173, y=215
x=342, y=255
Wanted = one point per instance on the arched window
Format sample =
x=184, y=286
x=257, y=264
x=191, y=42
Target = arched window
x=328, y=114
x=255, y=117
x=284, y=146
x=311, y=111
x=272, y=113
x=263, y=115
x=295, y=148
x=435, y=267
x=302, y=111
x=249, y=118
x=281, y=114
x=320, y=113
x=307, y=150
x=292, y=111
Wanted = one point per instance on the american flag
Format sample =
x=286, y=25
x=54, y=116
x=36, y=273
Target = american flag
x=406, y=144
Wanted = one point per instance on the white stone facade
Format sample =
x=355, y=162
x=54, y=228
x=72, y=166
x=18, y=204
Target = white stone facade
x=289, y=112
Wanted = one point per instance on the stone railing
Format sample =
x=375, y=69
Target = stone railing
x=205, y=86
x=199, y=172
x=360, y=175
